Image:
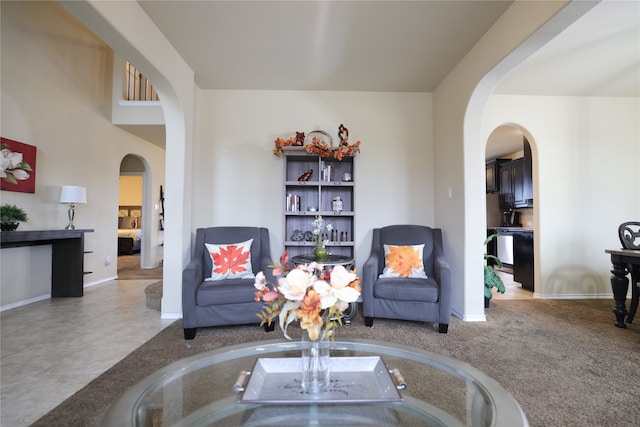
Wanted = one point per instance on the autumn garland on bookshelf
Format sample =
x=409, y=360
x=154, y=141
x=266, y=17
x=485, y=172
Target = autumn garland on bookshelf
x=319, y=146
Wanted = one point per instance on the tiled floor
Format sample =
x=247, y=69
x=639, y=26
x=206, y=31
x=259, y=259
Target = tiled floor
x=513, y=290
x=53, y=348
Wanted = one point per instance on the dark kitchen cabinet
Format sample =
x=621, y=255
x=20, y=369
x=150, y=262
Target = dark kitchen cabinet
x=523, y=259
x=493, y=175
x=516, y=182
x=506, y=186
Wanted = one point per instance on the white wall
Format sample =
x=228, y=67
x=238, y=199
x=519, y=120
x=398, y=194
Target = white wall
x=56, y=95
x=238, y=181
x=588, y=178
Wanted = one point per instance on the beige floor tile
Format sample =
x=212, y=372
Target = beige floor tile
x=53, y=348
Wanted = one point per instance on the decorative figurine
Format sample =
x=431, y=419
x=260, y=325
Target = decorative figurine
x=343, y=134
x=299, y=139
x=305, y=176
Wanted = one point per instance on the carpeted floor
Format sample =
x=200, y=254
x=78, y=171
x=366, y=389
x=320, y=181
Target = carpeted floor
x=129, y=269
x=563, y=360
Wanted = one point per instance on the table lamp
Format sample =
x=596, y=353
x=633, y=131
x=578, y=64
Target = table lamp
x=72, y=195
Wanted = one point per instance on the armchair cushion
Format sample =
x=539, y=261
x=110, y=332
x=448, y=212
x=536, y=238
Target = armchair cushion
x=403, y=261
x=407, y=289
x=230, y=261
x=230, y=291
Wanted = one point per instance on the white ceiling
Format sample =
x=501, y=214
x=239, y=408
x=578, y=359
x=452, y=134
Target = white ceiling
x=399, y=46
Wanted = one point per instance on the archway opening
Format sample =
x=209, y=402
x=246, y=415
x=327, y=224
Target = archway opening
x=131, y=210
x=510, y=209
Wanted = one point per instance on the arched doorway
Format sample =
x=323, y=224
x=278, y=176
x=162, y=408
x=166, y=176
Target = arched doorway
x=134, y=209
x=510, y=208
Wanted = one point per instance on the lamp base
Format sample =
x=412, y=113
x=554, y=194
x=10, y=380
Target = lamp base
x=72, y=214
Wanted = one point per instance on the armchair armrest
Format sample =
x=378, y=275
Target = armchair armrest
x=192, y=277
x=442, y=273
x=370, y=273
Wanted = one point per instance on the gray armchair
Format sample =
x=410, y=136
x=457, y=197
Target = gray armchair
x=223, y=302
x=408, y=298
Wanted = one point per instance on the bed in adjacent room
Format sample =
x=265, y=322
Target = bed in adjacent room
x=129, y=231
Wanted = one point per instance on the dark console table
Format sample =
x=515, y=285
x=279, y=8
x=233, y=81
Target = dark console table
x=67, y=256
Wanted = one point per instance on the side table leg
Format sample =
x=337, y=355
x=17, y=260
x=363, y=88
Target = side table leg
x=619, y=286
x=635, y=292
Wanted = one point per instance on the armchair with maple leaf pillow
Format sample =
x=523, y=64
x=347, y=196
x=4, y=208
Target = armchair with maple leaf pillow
x=407, y=277
x=218, y=284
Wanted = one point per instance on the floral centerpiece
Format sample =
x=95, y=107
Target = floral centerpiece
x=318, y=299
x=307, y=293
x=321, y=253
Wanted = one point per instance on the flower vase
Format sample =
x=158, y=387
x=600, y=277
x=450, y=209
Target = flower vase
x=321, y=253
x=315, y=362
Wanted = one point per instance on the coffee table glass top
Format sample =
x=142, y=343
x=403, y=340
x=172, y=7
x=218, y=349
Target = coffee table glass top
x=199, y=391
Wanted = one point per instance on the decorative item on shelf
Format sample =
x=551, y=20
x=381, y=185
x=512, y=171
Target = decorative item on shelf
x=297, y=236
x=315, y=297
x=345, y=149
x=11, y=216
x=315, y=142
x=298, y=140
x=305, y=176
x=72, y=195
x=336, y=204
x=293, y=203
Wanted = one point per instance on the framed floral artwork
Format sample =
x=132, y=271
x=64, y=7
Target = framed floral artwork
x=17, y=166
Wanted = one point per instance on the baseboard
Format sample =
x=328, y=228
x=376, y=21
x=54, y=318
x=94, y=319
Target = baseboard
x=171, y=316
x=576, y=296
x=99, y=282
x=24, y=302
x=476, y=318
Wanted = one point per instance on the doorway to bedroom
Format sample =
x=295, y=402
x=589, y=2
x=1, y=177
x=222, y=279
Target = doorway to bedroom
x=132, y=208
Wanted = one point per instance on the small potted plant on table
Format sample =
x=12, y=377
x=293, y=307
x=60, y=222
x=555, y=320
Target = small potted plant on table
x=491, y=278
x=11, y=216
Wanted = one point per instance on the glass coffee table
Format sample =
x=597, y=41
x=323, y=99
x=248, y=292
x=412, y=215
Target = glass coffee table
x=199, y=391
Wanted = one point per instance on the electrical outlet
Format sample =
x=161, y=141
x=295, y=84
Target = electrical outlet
x=450, y=192
x=107, y=261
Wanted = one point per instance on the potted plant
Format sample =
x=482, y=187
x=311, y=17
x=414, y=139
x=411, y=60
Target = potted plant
x=491, y=278
x=11, y=216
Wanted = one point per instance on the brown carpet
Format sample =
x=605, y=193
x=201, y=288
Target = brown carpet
x=129, y=269
x=563, y=360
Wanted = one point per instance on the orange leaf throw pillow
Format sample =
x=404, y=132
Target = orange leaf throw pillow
x=230, y=261
x=403, y=261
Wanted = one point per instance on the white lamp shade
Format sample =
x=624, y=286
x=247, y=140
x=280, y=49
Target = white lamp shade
x=73, y=194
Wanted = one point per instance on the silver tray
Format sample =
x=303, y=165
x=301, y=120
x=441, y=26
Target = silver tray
x=353, y=379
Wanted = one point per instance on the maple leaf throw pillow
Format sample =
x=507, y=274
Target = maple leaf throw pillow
x=403, y=261
x=230, y=260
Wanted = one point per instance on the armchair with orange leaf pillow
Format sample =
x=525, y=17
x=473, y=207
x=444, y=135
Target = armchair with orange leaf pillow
x=407, y=276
